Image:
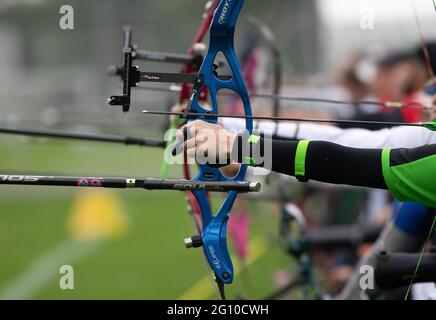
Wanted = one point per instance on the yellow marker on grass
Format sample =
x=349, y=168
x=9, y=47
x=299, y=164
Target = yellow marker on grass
x=97, y=214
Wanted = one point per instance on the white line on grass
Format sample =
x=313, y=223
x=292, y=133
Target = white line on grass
x=46, y=268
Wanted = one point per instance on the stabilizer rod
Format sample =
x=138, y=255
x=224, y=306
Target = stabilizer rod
x=46, y=133
x=393, y=270
x=122, y=183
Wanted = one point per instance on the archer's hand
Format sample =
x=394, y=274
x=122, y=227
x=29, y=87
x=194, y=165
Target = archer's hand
x=433, y=109
x=430, y=111
x=207, y=140
x=430, y=102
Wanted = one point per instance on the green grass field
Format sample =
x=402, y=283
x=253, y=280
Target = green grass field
x=148, y=262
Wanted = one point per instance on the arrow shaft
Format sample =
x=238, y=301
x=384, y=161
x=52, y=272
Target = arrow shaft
x=276, y=97
x=45, y=133
x=211, y=116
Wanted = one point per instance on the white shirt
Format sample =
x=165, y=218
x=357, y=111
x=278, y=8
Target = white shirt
x=396, y=137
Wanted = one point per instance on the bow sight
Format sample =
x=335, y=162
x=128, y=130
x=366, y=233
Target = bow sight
x=131, y=75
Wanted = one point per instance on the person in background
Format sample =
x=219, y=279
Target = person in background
x=398, y=76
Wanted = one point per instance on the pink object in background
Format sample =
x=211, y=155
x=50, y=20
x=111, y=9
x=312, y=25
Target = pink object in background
x=238, y=229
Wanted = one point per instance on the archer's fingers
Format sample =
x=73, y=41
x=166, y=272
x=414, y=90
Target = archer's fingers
x=187, y=136
x=182, y=135
x=195, y=141
x=191, y=129
x=199, y=149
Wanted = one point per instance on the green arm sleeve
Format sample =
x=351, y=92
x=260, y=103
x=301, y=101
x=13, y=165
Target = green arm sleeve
x=412, y=181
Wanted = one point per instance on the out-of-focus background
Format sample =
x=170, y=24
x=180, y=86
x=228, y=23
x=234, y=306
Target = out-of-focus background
x=129, y=244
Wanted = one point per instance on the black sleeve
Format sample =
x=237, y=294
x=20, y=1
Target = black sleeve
x=329, y=162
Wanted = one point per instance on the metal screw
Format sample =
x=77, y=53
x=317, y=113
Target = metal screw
x=188, y=243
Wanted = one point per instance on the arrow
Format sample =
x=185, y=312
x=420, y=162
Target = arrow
x=388, y=104
x=429, y=125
